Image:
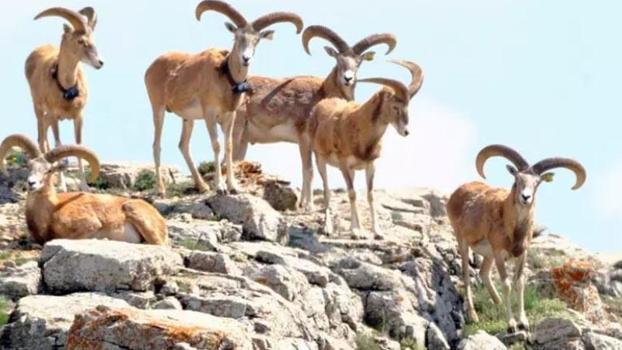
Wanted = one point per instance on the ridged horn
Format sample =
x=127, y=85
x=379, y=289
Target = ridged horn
x=399, y=88
x=278, y=17
x=21, y=141
x=570, y=164
x=416, y=73
x=373, y=40
x=61, y=152
x=221, y=7
x=326, y=34
x=77, y=21
x=499, y=151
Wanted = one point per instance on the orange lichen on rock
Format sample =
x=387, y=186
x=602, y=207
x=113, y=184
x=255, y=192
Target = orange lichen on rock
x=154, y=329
x=573, y=284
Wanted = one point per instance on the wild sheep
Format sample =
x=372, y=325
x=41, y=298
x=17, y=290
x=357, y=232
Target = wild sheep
x=209, y=86
x=57, y=83
x=498, y=223
x=80, y=215
x=277, y=110
x=348, y=136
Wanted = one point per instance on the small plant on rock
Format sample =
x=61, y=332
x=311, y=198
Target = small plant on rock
x=206, y=168
x=145, y=181
x=365, y=341
x=4, y=310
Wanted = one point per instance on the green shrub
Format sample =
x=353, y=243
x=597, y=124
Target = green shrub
x=396, y=216
x=99, y=184
x=492, y=317
x=411, y=344
x=145, y=180
x=365, y=341
x=180, y=189
x=195, y=244
x=4, y=310
x=16, y=158
x=206, y=168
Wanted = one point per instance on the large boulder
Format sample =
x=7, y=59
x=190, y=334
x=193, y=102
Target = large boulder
x=100, y=265
x=128, y=328
x=258, y=219
x=595, y=341
x=123, y=175
x=19, y=281
x=557, y=333
x=480, y=341
x=41, y=322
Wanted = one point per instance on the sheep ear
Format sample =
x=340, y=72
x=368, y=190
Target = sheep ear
x=231, y=27
x=67, y=28
x=330, y=51
x=267, y=34
x=512, y=170
x=368, y=56
x=547, y=177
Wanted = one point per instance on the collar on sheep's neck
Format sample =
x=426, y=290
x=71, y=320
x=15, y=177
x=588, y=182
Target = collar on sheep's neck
x=236, y=88
x=68, y=94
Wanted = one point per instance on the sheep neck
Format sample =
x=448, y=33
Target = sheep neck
x=368, y=118
x=237, y=72
x=518, y=224
x=40, y=206
x=67, y=68
x=332, y=88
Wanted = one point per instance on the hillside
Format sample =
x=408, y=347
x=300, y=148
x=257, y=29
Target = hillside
x=250, y=272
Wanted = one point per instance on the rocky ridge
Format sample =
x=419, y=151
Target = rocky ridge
x=247, y=272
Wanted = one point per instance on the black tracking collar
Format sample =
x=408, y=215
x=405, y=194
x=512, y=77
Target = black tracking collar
x=68, y=94
x=236, y=88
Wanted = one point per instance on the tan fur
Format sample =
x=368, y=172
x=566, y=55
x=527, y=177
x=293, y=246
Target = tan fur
x=483, y=216
x=80, y=215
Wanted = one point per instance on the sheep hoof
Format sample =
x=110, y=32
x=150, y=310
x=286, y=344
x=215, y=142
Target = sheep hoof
x=512, y=330
x=523, y=327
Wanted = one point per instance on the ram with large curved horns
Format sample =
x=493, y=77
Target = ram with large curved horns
x=277, y=110
x=499, y=224
x=208, y=86
x=80, y=215
x=57, y=83
x=348, y=136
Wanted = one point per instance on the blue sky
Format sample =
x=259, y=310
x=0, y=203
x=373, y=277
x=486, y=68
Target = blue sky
x=540, y=76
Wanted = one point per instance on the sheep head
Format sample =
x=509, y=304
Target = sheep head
x=527, y=178
x=247, y=35
x=42, y=167
x=394, y=100
x=348, y=59
x=78, y=37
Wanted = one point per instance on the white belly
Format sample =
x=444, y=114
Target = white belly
x=127, y=233
x=280, y=133
x=192, y=111
x=352, y=162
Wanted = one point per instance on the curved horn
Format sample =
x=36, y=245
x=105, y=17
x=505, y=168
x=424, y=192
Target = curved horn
x=61, y=152
x=398, y=87
x=90, y=14
x=499, y=151
x=570, y=164
x=326, y=34
x=416, y=73
x=277, y=17
x=78, y=22
x=21, y=141
x=373, y=40
x=222, y=7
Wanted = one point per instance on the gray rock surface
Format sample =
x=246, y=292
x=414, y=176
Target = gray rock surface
x=480, y=341
x=19, y=281
x=92, y=265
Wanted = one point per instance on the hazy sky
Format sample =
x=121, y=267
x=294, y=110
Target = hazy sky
x=540, y=76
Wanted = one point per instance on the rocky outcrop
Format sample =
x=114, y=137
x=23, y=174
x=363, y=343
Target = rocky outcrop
x=41, y=322
x=124, y=175
x=480, y=341
x=126, y=328
x=19, y=281
x=96, y=265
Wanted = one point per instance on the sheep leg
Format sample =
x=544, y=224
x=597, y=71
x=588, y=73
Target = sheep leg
x=42, y=131
x=240, y=137
x=62, y=183
x=210, y=122
x=158, y=122
x=463, y=246
x=146, y=221
x=485, y=274
x=507, y=291
x=227, y=129
x=184, y=147
x=519, y=279
x=348, y=175
x=328, y=219
x=370, y=172
x=77, y=128
x=306, y=197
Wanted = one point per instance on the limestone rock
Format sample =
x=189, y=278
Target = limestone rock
x=41, y=322
x=480, y=341
x=212, y=262
x=19, y=281
x=101, y=265
x=258, y=219
x=126, y=328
